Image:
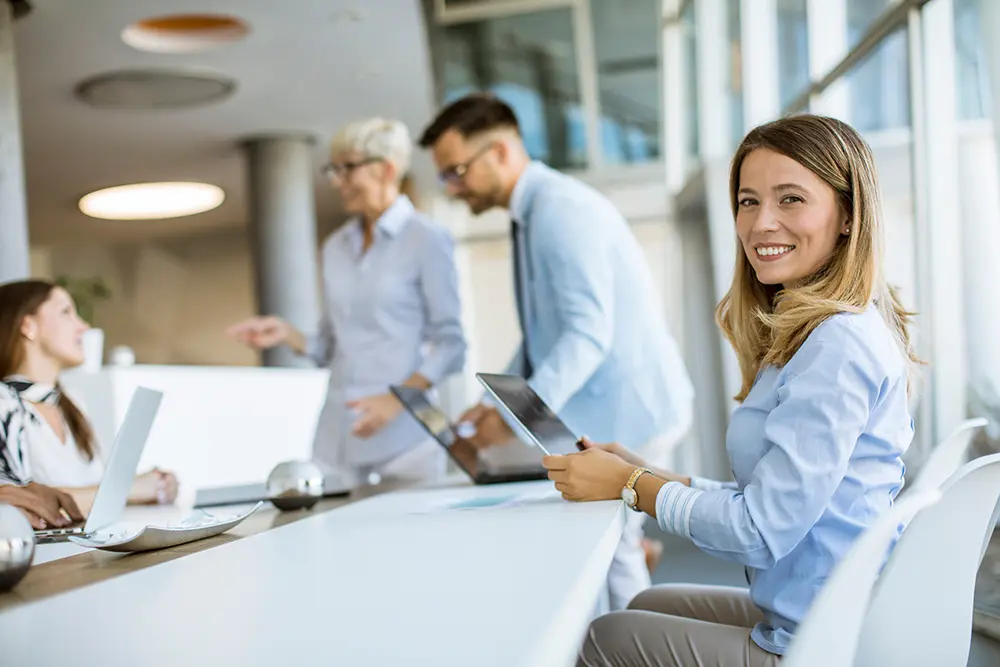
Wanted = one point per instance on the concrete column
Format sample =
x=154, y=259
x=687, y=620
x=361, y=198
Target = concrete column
x=14, y=258
x=282, y=216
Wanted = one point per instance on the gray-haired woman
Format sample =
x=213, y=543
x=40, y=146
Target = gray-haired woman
x=391, y=311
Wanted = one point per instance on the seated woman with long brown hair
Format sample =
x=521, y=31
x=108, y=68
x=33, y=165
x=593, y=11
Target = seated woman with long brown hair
x=44, y=436
x=816, y=442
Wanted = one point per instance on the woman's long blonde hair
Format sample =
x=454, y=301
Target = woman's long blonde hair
x=766, y=324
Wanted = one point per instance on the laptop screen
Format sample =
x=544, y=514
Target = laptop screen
x=531, y=416
x=437, y=424
x=480, y=463
x=119, y=471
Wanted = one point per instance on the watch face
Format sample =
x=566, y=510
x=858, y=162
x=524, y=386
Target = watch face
x=628, y=495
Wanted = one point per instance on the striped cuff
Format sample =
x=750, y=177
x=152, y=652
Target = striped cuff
x=674, y=503
x=710, y=484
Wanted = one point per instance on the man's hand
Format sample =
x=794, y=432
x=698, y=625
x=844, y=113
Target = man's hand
x=490, y=427
x=44, y=505
x=374, y=412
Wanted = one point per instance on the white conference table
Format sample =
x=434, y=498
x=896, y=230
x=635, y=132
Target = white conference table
x=398, y=579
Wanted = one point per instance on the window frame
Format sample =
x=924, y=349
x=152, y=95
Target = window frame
x=598, y=168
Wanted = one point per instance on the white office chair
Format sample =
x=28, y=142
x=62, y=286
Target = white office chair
x=921, y=612
x=947, y=457
x=828, y=635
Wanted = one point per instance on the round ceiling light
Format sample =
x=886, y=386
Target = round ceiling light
x=153, y=89
x=152, y=201
x=184, y=33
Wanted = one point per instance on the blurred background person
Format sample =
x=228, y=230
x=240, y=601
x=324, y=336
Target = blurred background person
x=391, y=312
x=592, y=347
x=45, y=437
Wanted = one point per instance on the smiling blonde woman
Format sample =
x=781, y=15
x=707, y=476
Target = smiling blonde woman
x=817, y=440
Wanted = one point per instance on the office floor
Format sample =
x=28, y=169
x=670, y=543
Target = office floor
x=682, y=561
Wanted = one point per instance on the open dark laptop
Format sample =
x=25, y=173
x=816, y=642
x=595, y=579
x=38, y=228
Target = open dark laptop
x=505, y=462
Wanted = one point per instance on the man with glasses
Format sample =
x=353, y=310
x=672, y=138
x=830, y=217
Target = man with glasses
x=595, y=346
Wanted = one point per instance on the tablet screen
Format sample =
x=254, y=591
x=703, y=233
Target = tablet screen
x=520, y=402
x=510, y=457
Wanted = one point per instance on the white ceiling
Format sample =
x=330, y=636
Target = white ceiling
x=302, y=69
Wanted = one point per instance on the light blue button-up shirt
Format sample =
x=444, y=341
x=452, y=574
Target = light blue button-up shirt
x=602, y=355
x=816, y=452
x=388, y=312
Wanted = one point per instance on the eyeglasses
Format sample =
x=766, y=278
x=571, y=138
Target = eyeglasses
x=454, y=175
x=342, y=170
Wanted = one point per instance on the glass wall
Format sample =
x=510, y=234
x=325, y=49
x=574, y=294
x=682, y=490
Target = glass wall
x=970, y=61
x=626, y=45
x=735, y=72
x=793, y=50
x=861, y=14
x=690, y=74
x=879, y=87
x=529, y=54
x=528, y=60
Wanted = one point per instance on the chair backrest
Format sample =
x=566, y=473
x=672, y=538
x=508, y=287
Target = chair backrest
x=828, y=635
x=948, y=456
x=921, y=611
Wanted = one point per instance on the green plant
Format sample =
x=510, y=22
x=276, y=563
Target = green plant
x=86, y=292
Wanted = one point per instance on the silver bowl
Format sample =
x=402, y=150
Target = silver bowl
x=17, y=546
x=295, y=485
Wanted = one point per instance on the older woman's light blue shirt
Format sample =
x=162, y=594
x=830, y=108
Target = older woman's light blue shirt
x=389, y=312
x=816, y=453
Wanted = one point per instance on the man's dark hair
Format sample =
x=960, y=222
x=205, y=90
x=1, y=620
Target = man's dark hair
x=472, y=114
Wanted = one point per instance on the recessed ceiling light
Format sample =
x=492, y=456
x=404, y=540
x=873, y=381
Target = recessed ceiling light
x=152, y=201
x=153, y=89
x=184, y=33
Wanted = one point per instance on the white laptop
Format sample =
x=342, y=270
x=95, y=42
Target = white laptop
x=119, y=471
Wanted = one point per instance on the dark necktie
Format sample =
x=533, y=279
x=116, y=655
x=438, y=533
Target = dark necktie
x=516, y=245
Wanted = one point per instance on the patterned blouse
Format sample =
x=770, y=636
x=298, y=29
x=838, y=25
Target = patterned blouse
x=15, y=421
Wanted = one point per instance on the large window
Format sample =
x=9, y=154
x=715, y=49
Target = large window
x=735, y=70
x=861, y=14
x=880, y=87
x=970, y=60
x=693, y=145
x=571, y=69
x=626, y=44
x=529, y=61
x=793, y=50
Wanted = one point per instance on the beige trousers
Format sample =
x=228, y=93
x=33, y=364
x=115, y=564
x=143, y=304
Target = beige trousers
x=679, y=626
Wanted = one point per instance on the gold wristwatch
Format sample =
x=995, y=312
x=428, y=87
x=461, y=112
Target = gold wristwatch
x=629, y=495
